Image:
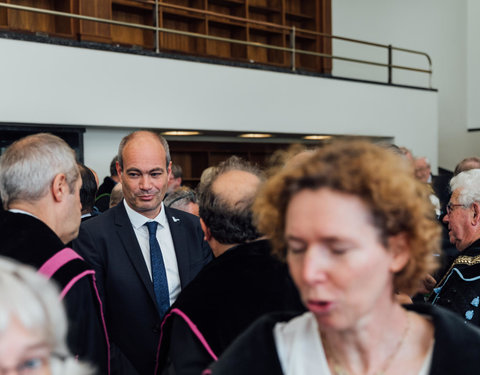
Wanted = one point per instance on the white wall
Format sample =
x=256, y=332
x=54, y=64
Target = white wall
x=50, y=84
x=448, y=31
x=473, y=64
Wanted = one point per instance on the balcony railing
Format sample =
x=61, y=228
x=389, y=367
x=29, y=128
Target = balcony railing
x=291, y=31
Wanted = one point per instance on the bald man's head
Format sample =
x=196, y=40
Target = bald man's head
x=226, y=199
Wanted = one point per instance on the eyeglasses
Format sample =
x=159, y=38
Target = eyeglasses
x=451, y=206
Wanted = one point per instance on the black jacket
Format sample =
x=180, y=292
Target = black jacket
x=30, y=241
x=455, y=350
x=229, y=294
x=459, y=289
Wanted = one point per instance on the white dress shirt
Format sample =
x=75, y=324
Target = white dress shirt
x=165, y=241
x=300, y=349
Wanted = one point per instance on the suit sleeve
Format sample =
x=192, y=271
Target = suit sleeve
x=90, y=249
x=84, y=245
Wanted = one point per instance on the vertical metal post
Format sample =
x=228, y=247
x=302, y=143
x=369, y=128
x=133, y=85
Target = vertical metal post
x=389, y=64
x=292, y=46
x=157, y=40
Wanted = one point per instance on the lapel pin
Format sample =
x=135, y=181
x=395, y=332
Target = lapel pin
x=175, y=220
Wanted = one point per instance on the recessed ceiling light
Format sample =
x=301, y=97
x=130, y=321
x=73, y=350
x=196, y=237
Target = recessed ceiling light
x=181, y=132
x=255, y=135
x=317, y=137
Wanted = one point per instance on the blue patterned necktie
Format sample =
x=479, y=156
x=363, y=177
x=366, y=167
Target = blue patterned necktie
x=159, y=275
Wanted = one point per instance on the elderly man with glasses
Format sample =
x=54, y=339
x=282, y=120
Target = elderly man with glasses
x=459, y=288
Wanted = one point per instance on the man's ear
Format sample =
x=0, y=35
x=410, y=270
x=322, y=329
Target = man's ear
x=169, y=170
x=400, y=249
x=476, y=213
x=59, y=187
x=118, y=168
x=206, y=231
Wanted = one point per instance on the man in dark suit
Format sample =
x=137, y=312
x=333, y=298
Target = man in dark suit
x=136, y=284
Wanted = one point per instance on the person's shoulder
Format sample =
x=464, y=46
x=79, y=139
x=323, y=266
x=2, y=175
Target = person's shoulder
x=170, y=211
x=254, y=351
x=449, y=326
x=181, y=217
x=456, y=341
x=105, y=218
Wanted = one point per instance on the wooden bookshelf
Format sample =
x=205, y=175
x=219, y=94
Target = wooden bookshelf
x=257, y=21
x=42, y=24
x=195, y=157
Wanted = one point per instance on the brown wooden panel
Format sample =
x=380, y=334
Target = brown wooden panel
x=313, y=15
x=325, y=26
x=94, y=31
x=194, y=157
x=225, y=49
x=64, y=25
x=183, y=21
x=130, y=36
x=3, y=16
x=33, y=22
x=262, y=54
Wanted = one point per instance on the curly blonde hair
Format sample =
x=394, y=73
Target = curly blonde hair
x=398, y=203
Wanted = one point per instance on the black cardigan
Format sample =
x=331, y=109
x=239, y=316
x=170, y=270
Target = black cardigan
x=456, y=349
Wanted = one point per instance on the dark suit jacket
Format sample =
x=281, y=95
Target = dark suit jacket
x=109, y=243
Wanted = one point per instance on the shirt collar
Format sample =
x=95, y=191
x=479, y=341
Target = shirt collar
x=138, y=220
x=18, y=211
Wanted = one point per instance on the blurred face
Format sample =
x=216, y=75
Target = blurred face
x=173, y=183
x=144, y=175
x=422, y=170
x=342, y=270
x=458, y=218
x=23, y=352
x=73, y=213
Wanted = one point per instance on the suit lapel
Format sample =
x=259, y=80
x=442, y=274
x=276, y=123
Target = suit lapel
x=180, y=242
x=132, y=248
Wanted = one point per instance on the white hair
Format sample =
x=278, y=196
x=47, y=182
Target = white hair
x=29, y=165
x=468, y=183
x=34, y=301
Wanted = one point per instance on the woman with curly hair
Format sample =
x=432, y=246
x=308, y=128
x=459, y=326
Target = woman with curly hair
x=355, y=228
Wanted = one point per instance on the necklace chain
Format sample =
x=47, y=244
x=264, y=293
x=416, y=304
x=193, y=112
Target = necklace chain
x=338, y=369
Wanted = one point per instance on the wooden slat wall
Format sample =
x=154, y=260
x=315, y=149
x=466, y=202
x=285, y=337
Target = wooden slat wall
x=312, y=15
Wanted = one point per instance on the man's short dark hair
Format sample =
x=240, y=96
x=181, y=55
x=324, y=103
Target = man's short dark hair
x=228, y=224
x=177, y=171
x=88, y=189
x=113, y=166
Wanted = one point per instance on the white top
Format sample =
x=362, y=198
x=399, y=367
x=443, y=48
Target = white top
x=300, y=350
x=165, y=241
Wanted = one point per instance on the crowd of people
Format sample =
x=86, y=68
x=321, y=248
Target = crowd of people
x=343, y=260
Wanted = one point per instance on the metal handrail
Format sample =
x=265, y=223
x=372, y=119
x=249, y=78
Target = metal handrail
x=292, y=30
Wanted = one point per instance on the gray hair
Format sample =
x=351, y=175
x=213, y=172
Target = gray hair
x=468, y=183
x=180, y=198
x=472, y=162
x=34, y=301
x=29, y=165
x=131, y=136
